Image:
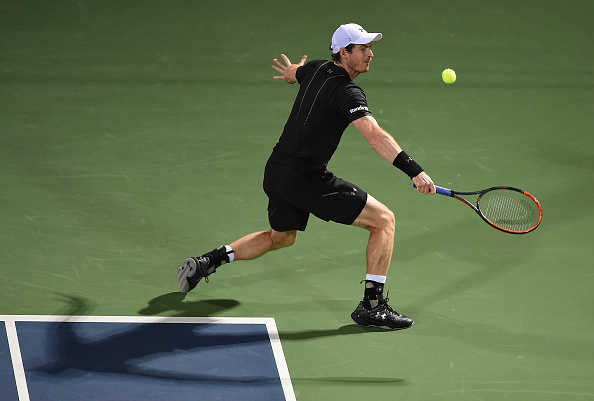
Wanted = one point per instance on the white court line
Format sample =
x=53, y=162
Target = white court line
x=281, y=363
x=17, y=361
x=19, y=371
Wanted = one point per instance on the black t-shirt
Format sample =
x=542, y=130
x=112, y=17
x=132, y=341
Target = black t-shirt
x=328, y=101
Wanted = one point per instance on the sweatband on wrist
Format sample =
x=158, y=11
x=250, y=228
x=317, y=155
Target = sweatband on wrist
x=407, y=165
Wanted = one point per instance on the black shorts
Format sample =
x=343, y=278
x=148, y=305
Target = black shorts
x=291, y=199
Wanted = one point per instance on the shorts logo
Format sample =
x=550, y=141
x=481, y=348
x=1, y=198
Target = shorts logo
x=360, y=108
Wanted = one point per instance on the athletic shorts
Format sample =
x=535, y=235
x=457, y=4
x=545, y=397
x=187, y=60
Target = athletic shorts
x=291, y=199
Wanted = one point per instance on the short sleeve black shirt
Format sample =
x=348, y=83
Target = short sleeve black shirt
x=327, y=102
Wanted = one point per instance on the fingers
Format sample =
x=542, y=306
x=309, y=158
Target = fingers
x=286, y=68
x=424, y=189
x=281, y=66
x=428, y=189
x=277, y=68
x=287, y=61
x=427, y=186
x=424, y=183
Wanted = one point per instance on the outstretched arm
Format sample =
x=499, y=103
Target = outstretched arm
x=287, y=69
x=387, y=147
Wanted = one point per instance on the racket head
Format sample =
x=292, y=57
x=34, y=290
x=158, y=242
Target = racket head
x=509, y=209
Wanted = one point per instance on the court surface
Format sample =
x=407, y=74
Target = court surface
x=133, y=134
x=138, y=358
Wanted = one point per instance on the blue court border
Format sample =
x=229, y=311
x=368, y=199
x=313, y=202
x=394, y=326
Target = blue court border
x=245, y=344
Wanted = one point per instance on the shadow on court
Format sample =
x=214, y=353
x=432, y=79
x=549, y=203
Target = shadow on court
x=72, y=354
x=174, y=302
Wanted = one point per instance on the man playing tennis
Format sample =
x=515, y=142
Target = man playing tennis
x=298, y=183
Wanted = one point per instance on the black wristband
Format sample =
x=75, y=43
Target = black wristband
x=405, y=163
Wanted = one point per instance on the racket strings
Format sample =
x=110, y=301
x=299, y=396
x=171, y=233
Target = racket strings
x=510, y=210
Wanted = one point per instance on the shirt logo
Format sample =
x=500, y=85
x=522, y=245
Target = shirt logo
x=360, y=108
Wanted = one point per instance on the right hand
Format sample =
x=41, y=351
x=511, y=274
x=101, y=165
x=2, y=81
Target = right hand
x=424, y=183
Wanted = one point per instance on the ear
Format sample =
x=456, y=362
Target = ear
x=343, y=53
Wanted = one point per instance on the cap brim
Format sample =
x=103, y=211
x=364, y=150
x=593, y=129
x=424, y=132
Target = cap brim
x=367, y=38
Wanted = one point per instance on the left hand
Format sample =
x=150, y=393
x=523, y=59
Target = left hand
x=287, y=69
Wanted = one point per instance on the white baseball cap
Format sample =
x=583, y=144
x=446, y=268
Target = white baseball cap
x=352, y=34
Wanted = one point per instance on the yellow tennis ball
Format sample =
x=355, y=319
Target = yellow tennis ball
x=449, y=76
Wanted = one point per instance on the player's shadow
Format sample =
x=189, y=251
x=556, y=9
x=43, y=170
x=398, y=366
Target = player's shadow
x=174, y=302
x=72, y=353
x=301, y=335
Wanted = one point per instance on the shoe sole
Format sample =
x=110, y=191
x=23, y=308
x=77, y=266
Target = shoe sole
x=363, y=323
x=183, y=273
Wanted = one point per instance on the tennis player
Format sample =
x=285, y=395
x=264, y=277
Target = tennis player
x=298, y=182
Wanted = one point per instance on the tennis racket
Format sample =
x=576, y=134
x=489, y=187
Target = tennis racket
x=506, y=208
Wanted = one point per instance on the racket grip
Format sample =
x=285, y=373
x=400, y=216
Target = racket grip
x=443, y=191
x=440, y=190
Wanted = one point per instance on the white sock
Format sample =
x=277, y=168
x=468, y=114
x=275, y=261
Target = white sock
x=230, y=253
x=376, y=278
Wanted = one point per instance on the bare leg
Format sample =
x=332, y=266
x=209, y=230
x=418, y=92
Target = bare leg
x=257, y=244
x=380, y=222
x=374, y=310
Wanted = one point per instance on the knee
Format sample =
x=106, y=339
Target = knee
x=389, y=220
x=385, y=221
x=376, y=217
x=287, y=241
x=283, y=239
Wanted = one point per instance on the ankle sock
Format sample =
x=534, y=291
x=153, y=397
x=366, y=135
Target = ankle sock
x=376, y=278
x=374, y=292
x=230, y=253
x=220, y=256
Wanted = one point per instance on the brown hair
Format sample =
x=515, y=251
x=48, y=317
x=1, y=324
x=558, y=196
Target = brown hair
x=336, y=56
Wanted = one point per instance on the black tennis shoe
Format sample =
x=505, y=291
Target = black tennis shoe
x=194, y=269
x=382, y=316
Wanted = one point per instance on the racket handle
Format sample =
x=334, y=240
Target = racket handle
x=443, y=191
x=440, y=190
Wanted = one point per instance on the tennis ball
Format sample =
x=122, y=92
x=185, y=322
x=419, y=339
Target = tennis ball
x=448, y=76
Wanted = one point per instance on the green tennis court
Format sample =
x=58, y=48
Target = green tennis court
x=134, y=134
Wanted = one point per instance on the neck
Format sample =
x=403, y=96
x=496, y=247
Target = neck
x=353, y=74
